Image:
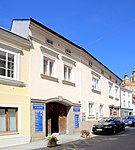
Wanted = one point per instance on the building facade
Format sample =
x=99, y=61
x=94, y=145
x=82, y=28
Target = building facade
x=129, y=83
x=126, y=103
x=14, y=89
x=69, y=88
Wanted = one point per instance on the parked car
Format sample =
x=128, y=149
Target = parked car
x=108, y=125
x=130, y=121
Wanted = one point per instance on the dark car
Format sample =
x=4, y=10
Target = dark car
x=108, y=125
x=130, y=121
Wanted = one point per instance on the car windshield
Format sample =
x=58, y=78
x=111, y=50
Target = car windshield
x=131, y=117
x=107, y=119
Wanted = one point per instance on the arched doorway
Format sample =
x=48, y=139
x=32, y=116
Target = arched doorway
x=56, y=118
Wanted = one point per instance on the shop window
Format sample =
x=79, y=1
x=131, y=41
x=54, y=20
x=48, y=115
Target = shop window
x=8, y=119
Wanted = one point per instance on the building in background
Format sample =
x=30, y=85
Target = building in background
x=129, y=83
x=70, y=89
x=126, y=108
x=14, y=89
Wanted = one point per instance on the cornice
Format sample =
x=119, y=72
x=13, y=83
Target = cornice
x=12, y=37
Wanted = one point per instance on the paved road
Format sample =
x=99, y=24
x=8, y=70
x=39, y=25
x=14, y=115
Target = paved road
x=124, y=140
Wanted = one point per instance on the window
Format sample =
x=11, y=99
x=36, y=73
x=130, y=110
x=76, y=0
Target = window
x=110, y=89
x=48, y=68
x=49, y=41
x=8, y=64
x=91, y=113
x=128, y=103
x=95, y=83
x=101, y=110
x=67, y=73
x=124, y=93
x=8, y=119
x=124, y=103
x=116, y=92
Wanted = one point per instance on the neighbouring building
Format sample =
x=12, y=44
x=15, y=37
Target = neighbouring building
x=69, y=88
x=129, y=83
x=14, y=89
x=126, y=108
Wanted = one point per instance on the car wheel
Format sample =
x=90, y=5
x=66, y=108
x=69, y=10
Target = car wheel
x=114, y=131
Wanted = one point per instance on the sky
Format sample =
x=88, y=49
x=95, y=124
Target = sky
x=105, y=28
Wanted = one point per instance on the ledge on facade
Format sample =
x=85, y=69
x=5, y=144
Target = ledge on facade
x=96, y=91
x=116, y=99
x=12, y=82
x=68, y=83
x=110, y=96
x=91, y=117
x=49, y=78
x=9, y=133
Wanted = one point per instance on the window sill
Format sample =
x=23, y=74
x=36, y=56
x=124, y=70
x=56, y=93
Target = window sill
x=91, y=117
x=43, y=76
x=111, y=97
x=68, y=83
x=96, y=91
x=12, y=82
x=9, y=133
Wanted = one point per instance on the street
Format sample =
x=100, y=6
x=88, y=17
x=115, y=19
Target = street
x=124, y=140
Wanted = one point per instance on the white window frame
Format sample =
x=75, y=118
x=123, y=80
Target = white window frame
x=95, y=81
x=116, y=92
x=91, y=113
x=70, y=65
x=129, y=104
x=50, y=56
x=110, y=89
x=49, y=71
x=68, y=75
x=101, y=112
x=16, y=63
x=124, y=103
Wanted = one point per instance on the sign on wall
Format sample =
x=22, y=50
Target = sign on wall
x=38, y=121
x=38, y=106
x=76, y=109
x=76, y=120
x=83, y=116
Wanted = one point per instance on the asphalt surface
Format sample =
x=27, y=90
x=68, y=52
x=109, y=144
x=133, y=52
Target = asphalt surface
x=124, y=140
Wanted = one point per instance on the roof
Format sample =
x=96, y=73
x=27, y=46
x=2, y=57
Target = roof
x=70, y=42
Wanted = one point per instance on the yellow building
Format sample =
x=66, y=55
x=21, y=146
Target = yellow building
x=14, y=89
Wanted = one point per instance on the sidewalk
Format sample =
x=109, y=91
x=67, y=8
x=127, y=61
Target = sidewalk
x=63, y=138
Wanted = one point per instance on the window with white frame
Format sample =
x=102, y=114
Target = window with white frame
x=8, y=64
x=110, y=89
x=48, y=68
x=101, y=110
x=68, y=70
x=91, y=109
x=8, y=119
x=124, y=103
x=95, y=81
x=116, y=92
x=128, y=103
x=67, y=73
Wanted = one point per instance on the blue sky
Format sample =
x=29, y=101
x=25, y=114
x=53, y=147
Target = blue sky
x=105, y=28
